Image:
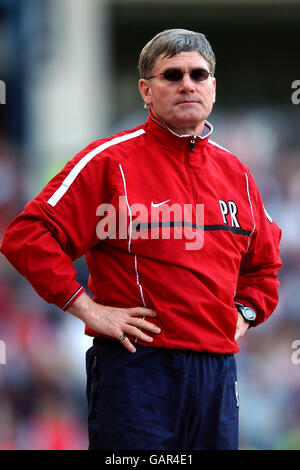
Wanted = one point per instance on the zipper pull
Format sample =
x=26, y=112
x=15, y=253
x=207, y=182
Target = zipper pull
x=192, y=143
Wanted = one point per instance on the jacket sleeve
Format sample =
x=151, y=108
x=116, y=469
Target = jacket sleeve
x=257, y=285
x=57, y=227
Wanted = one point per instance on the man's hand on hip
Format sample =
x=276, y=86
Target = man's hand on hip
x=115, y=322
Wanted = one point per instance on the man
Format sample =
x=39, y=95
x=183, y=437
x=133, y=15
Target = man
x=166, y=313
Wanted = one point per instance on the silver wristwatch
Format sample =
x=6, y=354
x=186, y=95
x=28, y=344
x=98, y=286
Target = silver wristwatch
x=247, y=313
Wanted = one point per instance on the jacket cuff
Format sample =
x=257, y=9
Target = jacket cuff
x=73, y=298
x=65, y=300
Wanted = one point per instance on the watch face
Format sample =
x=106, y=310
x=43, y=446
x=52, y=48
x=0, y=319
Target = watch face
x=249, y=314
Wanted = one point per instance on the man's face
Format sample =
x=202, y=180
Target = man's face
x=184, y=105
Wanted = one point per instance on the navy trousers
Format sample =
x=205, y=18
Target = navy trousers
x=160, y=399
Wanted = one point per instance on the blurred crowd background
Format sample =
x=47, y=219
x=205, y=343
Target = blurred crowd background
x=70, y=69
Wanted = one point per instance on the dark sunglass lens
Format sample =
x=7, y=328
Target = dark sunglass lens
x=199, y=75
x=173, y=75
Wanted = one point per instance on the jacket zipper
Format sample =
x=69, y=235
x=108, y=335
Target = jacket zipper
x=192, y=143
x=191, y=148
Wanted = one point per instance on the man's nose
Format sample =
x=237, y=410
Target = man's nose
x=186, y=84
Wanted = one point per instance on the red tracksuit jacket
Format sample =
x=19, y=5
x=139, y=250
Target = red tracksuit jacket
x=132, y=258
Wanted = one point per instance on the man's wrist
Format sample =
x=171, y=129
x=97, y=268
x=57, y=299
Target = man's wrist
x=81, y=307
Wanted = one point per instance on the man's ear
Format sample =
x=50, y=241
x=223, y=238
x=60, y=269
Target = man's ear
x=145, y=91
x=214, y=82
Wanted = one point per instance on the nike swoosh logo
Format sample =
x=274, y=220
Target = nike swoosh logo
x=153, y=204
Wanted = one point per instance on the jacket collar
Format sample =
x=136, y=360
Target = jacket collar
x=170, y=138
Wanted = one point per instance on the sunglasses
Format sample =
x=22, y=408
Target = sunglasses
x=175, y=75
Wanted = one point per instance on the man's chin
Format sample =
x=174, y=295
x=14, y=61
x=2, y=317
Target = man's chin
x=189, y=123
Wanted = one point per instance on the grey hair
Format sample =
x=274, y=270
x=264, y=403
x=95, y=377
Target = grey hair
x=171, y=42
